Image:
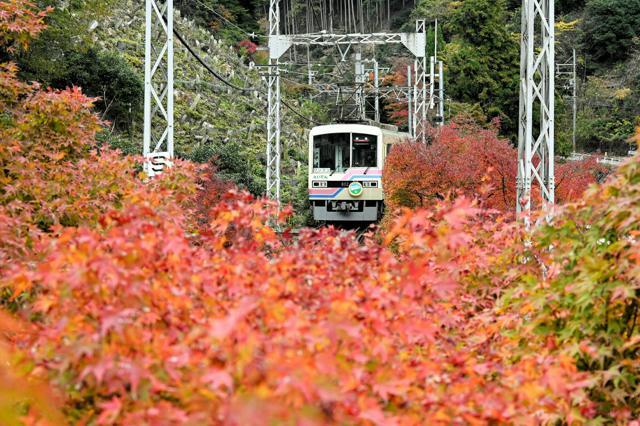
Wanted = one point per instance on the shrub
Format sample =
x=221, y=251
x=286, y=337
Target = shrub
x=247, y=47
x=582, y=298
x=157, y=328
x=574, y=177
x=116, y=85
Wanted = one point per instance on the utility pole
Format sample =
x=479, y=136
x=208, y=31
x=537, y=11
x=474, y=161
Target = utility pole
x=574, y=83
x=536, y=144
x=158, y=86
x=570, y=70
x=436, y=89
x=309, y=70
x=440, y=113
x=440, y=118
x=435, y=41
x=376, y=85
x=410, y=104
x=432, y=79
x=360, y=82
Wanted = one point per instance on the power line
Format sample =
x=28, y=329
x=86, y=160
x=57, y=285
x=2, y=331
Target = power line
x=206, y=66
x=233, y=86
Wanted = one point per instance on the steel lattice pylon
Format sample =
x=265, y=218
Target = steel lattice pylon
x=158, y=85
x=420, y=101
x=537, y=91
x=273, y=105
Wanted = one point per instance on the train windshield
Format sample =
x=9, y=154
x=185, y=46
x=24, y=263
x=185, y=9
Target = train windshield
x=365, y=151
x=332, y=152
x=337, y=152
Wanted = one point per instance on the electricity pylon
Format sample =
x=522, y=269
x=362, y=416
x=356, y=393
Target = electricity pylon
x=158, y=86
x=537, y=92
x=273, y=104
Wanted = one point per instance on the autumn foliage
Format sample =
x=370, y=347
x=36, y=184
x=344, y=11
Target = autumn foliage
x=20, y=21
x=464, y=158
x=574, y=177
x=397, y=110
x=134, y=302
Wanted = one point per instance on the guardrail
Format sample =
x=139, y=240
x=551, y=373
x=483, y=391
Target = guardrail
x=606, y=159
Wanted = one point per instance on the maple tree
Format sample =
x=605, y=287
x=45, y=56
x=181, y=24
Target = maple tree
x=397, y=109
x=157, y=328
x=463, y=158
x=574, y=177
x=583, y=301
x=248, y=47
x=20, y=21
x=467, y=159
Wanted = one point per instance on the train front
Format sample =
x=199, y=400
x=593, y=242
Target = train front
x=345, y=173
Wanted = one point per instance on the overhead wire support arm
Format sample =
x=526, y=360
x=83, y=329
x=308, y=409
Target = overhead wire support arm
x=327, y=39
x=414, y=42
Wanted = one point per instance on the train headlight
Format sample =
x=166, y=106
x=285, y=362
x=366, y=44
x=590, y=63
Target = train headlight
x=319, y=184
x=370, y=184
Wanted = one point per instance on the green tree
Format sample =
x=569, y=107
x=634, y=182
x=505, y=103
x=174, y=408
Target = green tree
x=483, y=59
x=610, y=28
x=66, y=55
x=562, y=6
x=232, y=19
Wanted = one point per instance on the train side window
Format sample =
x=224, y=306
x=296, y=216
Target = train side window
x=365, y=150
x=389, y=148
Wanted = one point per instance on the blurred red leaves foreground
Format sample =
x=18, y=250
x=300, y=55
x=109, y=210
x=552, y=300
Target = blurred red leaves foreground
x=133, y=303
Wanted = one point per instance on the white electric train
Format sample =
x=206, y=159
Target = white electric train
x=345, y=170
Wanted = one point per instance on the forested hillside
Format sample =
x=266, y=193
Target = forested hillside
x=479, y=42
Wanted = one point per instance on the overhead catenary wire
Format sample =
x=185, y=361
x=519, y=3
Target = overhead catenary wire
x=206, y=66
x=232, y=85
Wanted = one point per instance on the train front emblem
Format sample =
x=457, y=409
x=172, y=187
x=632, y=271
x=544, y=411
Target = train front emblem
x=355, y=189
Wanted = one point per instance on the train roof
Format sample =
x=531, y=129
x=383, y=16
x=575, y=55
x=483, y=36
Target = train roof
x=345, y=127
x=366, y=127
x=396, y=137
